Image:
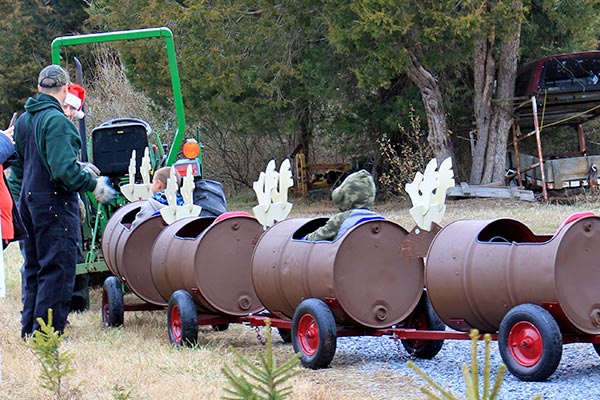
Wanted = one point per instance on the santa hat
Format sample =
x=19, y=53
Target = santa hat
x=75, y=98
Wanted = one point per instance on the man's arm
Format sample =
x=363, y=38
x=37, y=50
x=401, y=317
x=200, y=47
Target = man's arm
x=62, y=145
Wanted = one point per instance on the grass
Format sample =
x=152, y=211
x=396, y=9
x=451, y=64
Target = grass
x=138, y=358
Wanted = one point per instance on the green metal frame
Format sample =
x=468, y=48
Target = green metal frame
x=134, y=35
x=96, y=223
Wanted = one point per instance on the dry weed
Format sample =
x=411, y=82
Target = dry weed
x=111, y=95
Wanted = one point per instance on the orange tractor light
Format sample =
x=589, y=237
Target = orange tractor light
x=191, y=149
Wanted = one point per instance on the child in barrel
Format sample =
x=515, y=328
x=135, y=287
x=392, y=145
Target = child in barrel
x=354, y=198
x=159, y=198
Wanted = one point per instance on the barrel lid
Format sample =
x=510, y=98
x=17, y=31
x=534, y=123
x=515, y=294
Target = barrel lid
x=374, y=284
x=121, y=220
x=223, y=265
x=135, y=260
x=577, y=273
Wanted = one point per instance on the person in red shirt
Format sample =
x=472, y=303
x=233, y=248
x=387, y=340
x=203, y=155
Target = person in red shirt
x=8, y=213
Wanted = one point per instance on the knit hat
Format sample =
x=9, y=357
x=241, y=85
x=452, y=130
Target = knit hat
x=75, y=98
x=53, y=76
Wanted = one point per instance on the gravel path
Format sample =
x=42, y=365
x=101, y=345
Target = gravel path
x=577, y=376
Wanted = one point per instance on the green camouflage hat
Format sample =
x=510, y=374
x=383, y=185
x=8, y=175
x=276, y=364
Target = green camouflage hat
x=357, y=191
x=53, y=76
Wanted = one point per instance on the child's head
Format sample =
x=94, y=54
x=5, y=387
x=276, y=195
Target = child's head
x=356, y=191
x=159, y=179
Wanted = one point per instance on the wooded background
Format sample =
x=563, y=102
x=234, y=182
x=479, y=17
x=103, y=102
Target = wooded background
x=262, y=77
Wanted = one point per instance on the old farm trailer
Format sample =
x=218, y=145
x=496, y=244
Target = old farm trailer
x=561, y=90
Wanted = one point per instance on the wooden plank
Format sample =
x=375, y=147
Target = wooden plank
x=416, y=243
x=465, y=190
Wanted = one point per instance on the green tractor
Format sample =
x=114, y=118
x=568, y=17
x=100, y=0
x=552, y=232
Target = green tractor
x=111, y=148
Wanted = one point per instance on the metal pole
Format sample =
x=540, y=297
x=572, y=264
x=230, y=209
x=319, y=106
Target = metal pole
x=135, y=34
x=82, y=128
x=539, y=146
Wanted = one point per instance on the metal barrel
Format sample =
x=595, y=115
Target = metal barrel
x=133, y=253
x=119, y=224
x=363, y=275
x=210, y=259
x=477, y=270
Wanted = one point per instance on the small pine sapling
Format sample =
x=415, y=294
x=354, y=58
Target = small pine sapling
x=262, y=381
x=471, y=377
x=56, y=365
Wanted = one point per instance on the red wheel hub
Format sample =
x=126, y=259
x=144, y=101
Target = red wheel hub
x=175, y=324
x=418, y=321
x=308, y=334
x=525, y=343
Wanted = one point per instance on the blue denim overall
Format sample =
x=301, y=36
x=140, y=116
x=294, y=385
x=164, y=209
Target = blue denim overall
x=51, y=217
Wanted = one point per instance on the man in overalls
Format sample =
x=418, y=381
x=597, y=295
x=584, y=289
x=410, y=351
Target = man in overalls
x=49, y=178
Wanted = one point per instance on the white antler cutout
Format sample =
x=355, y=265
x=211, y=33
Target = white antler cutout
x=428, y=193
x=271, y=190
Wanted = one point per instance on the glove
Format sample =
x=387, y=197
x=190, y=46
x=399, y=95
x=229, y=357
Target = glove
x=89, y=168
x=103, y=192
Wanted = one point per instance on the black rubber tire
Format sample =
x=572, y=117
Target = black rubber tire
x=314, y=333
x=220, y=327
x=597, y=348
x=424, y=317
x=182, y=319
x=113, y=305
x=80, y=299
x=536, y=329
x=285, y=335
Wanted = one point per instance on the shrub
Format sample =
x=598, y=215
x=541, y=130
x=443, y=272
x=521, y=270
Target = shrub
x=263, y=381
x=471, y=377
x=56, y=364
x=402, y=160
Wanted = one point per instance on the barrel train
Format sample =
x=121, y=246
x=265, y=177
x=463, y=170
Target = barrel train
x=532, y=293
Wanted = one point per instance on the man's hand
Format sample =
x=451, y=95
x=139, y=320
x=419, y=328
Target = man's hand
x=103, y=192
x=89, y=168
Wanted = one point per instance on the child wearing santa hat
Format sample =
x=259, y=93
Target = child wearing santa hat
x=74, y=102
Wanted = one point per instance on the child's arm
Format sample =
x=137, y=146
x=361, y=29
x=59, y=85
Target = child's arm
x=330, y=229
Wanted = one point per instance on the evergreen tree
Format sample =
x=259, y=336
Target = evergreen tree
x=28, y=28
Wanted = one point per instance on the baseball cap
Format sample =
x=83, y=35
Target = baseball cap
x=53, y=76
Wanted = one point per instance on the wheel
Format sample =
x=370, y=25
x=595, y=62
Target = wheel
x=80, y=299
x=530, y=342
x=182, y=319
x=314, y=333
x=220, y=327
x=424, y=318
x=113, y=307
x=285, y=335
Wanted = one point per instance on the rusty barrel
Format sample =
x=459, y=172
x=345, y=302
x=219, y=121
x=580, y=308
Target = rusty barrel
x=118, y=225
x=477, y=270
x=132, y=255
x=362, y=275
x=211, y=260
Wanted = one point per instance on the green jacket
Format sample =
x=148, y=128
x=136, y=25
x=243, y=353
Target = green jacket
x=57, y=141
x=356, y=192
